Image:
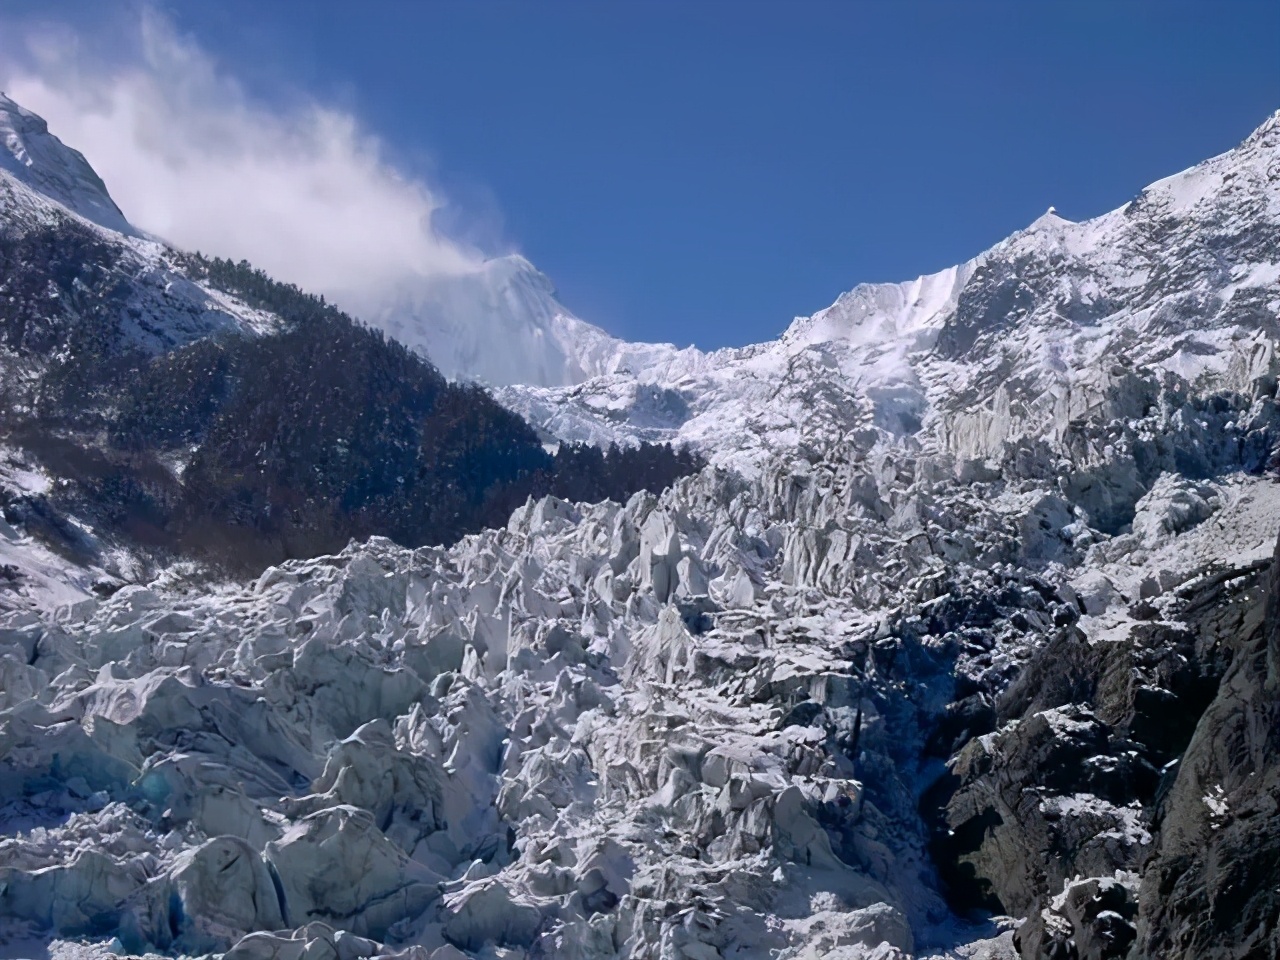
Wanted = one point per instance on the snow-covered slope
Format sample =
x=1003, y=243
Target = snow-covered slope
x=502, y=324
x=34, y=156
x=845, y=366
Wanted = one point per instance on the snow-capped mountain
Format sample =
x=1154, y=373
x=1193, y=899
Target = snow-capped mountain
x=1013, y=344
x=498, y=324
x=501, y=324
x=38, y=159
x=136, y=381
x=963, y=646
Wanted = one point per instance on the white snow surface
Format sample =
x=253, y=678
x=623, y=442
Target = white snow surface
x=34, y=156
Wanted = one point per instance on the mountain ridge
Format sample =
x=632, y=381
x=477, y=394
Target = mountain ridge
x=1067, y=278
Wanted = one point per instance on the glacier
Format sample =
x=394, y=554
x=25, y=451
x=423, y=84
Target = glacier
x=963, y=645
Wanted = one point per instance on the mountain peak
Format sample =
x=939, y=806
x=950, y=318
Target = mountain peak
x=1269, y=125
x=1049, y=219
x=515, y=268
x=35, y=157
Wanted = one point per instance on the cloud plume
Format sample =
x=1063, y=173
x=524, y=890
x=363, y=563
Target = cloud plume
x=303, y=190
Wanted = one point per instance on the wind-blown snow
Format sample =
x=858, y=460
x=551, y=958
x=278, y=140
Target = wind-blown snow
x=502, y=324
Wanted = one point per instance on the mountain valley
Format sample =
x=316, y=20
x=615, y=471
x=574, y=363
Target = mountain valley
x=945, y=626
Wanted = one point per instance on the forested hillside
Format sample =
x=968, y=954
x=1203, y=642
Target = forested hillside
x=249, y=449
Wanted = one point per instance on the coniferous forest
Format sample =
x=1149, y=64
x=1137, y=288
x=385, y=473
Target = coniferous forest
x=247, y=450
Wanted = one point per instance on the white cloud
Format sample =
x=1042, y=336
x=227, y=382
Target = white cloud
x=303, y=191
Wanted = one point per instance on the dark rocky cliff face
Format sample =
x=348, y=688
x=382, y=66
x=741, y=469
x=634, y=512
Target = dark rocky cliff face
x=1128, y=804
x=1212, y=887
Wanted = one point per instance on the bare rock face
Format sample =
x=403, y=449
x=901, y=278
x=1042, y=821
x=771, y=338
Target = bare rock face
x=1120, y=760
x=1212, y=887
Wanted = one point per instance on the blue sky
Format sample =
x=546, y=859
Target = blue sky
x=704, y=172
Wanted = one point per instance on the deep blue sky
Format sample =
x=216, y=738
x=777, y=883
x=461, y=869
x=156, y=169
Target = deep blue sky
x=704, y=172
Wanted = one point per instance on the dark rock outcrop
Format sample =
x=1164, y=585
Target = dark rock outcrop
x=1128, y=803
x=1211, y=890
